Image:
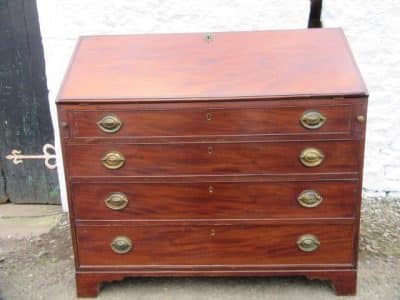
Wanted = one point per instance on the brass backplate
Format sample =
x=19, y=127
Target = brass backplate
x=311, y=157
x=312, y=119
x=309, y=198
x=116, y=201
x=121, y=244
x=308, y=243
x=113, y=160
x=109, y=124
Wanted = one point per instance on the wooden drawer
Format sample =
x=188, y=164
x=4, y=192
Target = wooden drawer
x=211, y=158
x=211, y=121
x=214, y=245
x=213, y=200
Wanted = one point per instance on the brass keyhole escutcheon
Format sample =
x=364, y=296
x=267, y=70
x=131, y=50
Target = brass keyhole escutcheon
x=312, y=120
x=116, y=201
x=121, y=245
x=311, y=157
x=113, y=160
x=210, y=150
x=109, y=124
x=210, y=189
x=308, y=243
x=309, y=198
x=208, y=37
x=208, y=116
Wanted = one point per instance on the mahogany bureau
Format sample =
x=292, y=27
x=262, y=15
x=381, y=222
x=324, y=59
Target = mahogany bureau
x=223, y=154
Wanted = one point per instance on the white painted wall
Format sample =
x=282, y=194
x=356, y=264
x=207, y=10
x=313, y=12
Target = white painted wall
x=371, y=26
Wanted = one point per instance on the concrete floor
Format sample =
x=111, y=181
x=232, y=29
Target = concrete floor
x=20, y=221
x=36, y=263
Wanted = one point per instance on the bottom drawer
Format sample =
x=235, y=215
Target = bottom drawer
x=214, y=244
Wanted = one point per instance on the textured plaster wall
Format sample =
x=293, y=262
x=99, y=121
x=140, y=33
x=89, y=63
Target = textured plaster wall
x=372, y=28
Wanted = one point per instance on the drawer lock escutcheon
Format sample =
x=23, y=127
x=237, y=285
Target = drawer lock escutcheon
x=210, y=189
x=116, y=201
x=109, y=124
x=309, y=198
x=308, y=243
x=210, y=150
x=311, y=157
x=113, y=160
x=312, y=120
x=121, y=245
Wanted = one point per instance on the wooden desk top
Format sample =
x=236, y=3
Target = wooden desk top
x=232, y=65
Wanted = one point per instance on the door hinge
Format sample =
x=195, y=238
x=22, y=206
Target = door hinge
x=49, y=158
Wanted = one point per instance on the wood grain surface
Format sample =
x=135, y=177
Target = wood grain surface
x=225, y=158
x=281, y=120
x=213, y=200
x=211, y=139
x=268, y=64
x=215, y=245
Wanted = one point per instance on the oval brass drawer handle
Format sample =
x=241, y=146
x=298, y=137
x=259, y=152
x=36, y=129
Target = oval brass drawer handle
x=116, y=201
x=121, y=245
x=113, y=160
x=312, y=120
x=311, y=157
x=109, y=124
x=308, y=243
x=309, y=198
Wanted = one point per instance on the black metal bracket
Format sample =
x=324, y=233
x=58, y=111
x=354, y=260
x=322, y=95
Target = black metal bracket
x=314, y=20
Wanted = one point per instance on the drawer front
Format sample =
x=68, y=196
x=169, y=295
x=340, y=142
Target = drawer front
x=212, y=121
x=206, y=158
x=214, y=200
x=214, y=245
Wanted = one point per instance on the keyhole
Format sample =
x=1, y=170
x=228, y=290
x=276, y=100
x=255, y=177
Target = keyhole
x=212, y=232
x=208, y=37
x=208, y=116
x=210, y=150
x=210, y=189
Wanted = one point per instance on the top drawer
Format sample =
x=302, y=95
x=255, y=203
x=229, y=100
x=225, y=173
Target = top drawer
x=186, y=121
